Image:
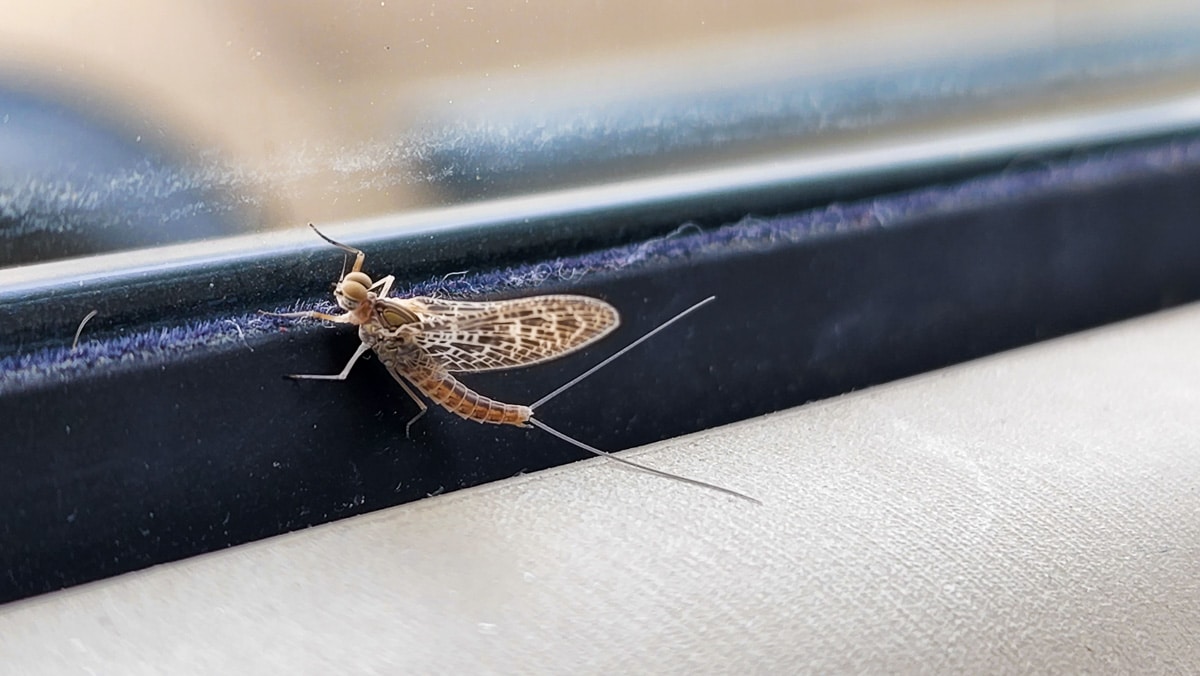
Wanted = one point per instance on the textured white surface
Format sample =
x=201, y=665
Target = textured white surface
x=1038, y=510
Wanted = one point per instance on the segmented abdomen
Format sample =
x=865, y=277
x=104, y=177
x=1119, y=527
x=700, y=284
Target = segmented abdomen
x=446, y=391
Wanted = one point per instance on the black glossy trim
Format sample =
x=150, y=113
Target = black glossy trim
x=117, y=468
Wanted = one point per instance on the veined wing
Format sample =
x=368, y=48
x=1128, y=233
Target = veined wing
x=467, y=336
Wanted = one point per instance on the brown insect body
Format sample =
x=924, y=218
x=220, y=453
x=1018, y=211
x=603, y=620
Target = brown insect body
x=422, y=341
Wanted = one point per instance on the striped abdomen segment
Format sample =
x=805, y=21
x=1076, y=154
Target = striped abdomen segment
x=446, y=391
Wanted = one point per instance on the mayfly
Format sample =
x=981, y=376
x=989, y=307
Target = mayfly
x=422, y=341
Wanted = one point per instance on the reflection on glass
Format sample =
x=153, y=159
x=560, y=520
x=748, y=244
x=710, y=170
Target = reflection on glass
x=146, y=123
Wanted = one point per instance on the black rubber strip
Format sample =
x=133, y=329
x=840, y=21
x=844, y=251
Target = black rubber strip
x=175, y=433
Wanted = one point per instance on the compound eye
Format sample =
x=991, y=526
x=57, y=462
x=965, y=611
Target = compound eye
x=353, y=290
x=360, y=278
x=355, y=285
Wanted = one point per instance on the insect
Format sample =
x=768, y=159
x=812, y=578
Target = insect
x=423, y=341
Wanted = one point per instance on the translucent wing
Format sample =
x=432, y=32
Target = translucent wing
x=465, y=336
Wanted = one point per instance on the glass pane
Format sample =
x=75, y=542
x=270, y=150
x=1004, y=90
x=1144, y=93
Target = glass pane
x=137, y=123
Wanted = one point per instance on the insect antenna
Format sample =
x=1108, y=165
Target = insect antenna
x=359, y=256
x=591, y=449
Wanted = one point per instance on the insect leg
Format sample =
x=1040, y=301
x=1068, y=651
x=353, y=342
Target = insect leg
x=420, y=404
x=338, y=376
x=385, y=285
x=340, y=319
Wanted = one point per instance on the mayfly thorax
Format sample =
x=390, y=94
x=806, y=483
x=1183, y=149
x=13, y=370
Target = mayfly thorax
x=423, y=341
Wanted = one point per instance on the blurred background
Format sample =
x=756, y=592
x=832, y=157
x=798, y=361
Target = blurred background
x=133, y=123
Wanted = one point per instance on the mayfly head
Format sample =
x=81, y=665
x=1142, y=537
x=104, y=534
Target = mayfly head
x=355, y=286
x=352, y=290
